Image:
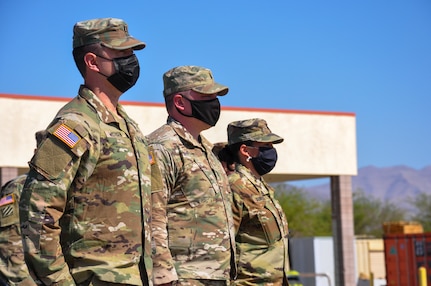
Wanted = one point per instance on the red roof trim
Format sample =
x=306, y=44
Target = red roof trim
x=34, y=97
x=275, y=110
x=136, y=103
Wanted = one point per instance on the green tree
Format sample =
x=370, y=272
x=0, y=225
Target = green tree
x=369, y=214
x=306, y=216
x=323, y=223
x=422, y=203
x=311, y=217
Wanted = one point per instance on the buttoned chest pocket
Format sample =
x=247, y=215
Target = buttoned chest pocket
x=116, y=154
x=196, y=184
x=267, y=216
x=115, y=142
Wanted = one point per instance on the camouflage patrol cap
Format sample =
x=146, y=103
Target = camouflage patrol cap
x=110, y=32
x=194, y=78
x=255, y=130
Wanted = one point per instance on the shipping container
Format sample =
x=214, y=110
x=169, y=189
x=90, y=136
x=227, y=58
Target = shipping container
x=404, y=254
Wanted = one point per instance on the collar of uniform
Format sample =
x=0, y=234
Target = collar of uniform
x=258, y=183
x=186, y=136
x=123, y=114
x=103, y=112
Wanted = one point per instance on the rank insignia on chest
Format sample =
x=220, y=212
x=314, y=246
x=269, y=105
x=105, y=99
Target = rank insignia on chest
x=67, y=135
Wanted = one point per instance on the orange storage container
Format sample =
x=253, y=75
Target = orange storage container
x=402, y=227
x=404, y=254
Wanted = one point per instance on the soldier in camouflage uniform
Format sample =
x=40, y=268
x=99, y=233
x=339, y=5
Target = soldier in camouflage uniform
x=191, y=217
x=260, y=223
x=13, y=270
x=85, y=208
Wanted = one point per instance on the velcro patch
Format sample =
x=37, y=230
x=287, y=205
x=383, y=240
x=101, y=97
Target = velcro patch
x=6, y=200
x=7, y=211
x=67, y=135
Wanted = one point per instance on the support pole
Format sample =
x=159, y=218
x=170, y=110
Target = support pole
x=343, y=230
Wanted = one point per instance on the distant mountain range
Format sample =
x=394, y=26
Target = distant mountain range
x=398, y=184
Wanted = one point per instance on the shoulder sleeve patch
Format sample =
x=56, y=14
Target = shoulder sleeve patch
x=9, y=213
x=151, y=157
x=6, y=200
x=67, y=135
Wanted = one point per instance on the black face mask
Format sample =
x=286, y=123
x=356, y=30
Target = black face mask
x=126, y=72
x=265, y=161
x=207, y=111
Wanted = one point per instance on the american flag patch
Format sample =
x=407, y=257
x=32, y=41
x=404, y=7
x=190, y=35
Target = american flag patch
x=9, y=199
x=151, y=158
x=67, y=135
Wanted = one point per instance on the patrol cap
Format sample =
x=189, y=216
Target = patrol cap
x=194, y=78
x=110, y=32
x=255, y=130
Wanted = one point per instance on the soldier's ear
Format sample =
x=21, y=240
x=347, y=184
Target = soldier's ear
x=243, y=150
x=90, y=61
x=178, y=101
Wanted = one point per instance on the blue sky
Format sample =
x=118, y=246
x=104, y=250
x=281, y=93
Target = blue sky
x=370, y=57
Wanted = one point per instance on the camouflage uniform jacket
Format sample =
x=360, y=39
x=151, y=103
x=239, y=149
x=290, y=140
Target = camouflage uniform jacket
x=85, y=208
x=261, y=231
x=13, y=270
x=192, y=217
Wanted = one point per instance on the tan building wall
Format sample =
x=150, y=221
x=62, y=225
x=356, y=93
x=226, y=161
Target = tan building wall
x=317, y=144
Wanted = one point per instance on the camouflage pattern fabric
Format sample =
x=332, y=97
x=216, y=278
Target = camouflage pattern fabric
x=201, y=282
x=261, y=231
x=255, y=129
x=13, y=270
x=85, y=208
x=195, y=78
x=191, y=220
x=110, y=32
